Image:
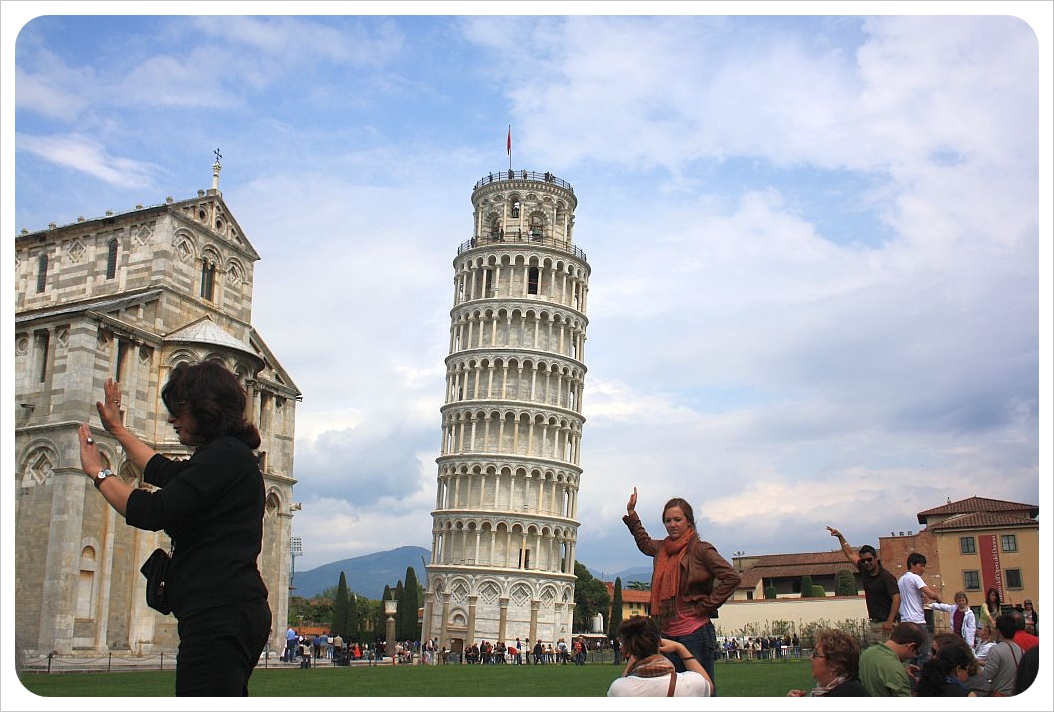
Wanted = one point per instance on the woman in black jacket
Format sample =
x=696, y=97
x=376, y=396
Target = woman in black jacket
x=211, y=506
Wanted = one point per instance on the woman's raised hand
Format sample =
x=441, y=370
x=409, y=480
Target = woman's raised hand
x=631, y=505
x=110, y=407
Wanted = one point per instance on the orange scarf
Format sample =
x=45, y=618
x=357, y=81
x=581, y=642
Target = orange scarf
x=666, y=578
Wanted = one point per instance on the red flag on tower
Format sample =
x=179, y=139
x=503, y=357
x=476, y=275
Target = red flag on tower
x=508, y=141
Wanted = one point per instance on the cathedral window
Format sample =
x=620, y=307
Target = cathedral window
x=42, y=273
x=516, y=209
x=111, y=259
x=208, y=279
x=43, y=339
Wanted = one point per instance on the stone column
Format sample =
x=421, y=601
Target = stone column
x=470, y=636
x=444, y=638
x=504, y=603
x=63, y=549
x=426, y=622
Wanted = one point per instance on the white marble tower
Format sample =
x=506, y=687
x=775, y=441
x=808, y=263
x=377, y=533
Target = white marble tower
x=505, y=519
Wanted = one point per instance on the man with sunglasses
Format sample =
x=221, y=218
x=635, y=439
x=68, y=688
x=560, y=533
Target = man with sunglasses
x=880, y=589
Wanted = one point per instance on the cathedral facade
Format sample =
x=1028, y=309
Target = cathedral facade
x=128, y=296
x=505, y=518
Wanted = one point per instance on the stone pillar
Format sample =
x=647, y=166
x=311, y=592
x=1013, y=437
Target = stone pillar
x=426, y=621
x=443, y=636
x=471, y=634
x=504, y=603
x=63, y=552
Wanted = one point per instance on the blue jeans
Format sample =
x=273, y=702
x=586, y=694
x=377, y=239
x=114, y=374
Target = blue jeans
x=702, y=643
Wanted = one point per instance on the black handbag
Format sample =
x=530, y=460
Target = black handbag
x=155, y=569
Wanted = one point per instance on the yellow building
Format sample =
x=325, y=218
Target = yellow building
x=986, y=543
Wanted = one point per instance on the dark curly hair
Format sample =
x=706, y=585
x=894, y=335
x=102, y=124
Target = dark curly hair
x=640, y=637
x=214, y=398
x=943, y=639
x=940, y=666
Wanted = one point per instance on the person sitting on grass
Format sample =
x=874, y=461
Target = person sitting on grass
x=835, y=664
x=946, y=672
x=882, y=668
x=648, y=672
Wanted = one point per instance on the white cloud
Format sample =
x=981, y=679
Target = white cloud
x=84, y=154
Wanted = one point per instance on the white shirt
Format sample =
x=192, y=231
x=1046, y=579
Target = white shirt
x=689, y=684
x=911, y=609
x=969, y=620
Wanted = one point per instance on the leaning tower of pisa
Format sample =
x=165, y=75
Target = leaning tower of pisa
x=505, y=520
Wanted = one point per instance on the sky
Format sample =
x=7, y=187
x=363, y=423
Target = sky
x=818, y=291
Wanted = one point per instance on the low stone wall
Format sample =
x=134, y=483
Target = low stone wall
x=738, y=615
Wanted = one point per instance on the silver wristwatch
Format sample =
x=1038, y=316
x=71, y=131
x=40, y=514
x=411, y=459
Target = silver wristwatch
x=103, y=474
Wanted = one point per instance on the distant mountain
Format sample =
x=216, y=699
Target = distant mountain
x=637, y=573
x=366, y=575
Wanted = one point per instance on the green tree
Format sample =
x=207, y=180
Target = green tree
x=298, y=610
x=770, y=592
x=354, y=618
x=339, y=625
x=638, y=586
x=844, y=583
x=591, y=597
x=408, y=605
x=806, y=586
x=399, y=611
x=615, y=618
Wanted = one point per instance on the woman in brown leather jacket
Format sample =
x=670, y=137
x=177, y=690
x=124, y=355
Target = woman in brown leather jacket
x=690, y=580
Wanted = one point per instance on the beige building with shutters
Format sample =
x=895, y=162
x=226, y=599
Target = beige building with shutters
x=128, y=296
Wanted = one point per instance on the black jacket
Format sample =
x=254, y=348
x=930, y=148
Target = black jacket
x=211, y=506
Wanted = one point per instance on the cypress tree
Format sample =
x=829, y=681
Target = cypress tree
x=409, y=604
x=339, y=625
x=400, y=595
x=615, y=619
x=354, y=616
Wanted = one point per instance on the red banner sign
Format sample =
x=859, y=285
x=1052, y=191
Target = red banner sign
x=991, y=572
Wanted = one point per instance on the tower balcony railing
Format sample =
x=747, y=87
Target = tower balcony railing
x=508, y=175
x=527, y=238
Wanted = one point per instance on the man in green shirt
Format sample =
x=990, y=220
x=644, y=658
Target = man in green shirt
x=882, y=668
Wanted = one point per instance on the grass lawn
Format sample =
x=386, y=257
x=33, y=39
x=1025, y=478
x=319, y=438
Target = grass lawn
x=734, y=679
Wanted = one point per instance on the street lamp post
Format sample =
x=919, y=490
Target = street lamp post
x=390, y=607
x=296, y=548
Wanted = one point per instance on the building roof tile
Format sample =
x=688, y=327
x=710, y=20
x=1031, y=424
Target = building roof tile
x=972, y=505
